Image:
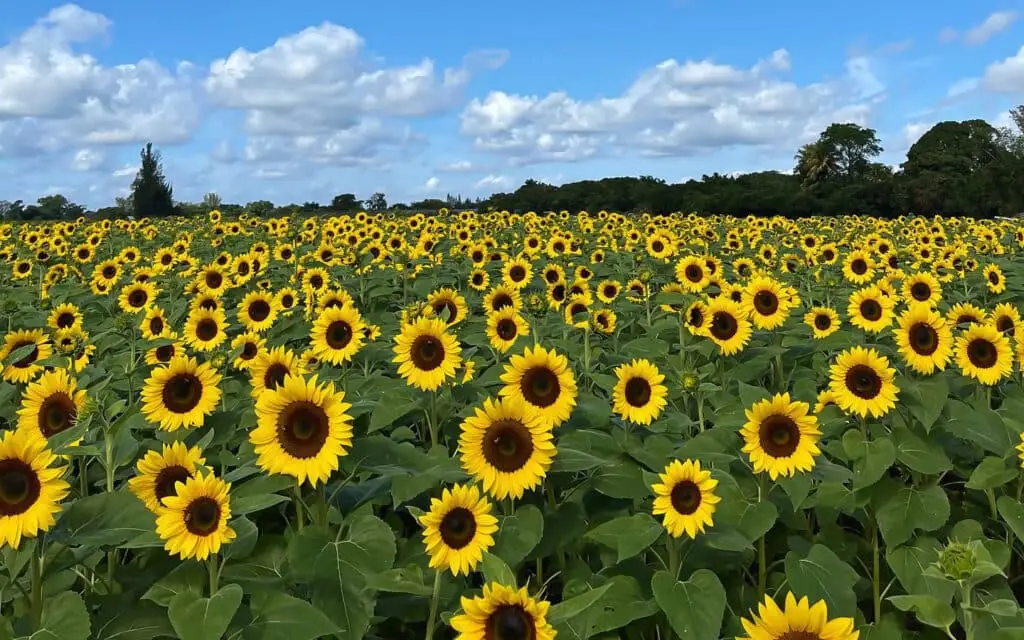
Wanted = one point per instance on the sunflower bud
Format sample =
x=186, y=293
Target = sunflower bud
x=689, y=381
x=124, y=322
x=957, y=560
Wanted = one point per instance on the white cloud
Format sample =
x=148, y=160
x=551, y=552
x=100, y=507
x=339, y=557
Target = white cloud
x=962, y=87
x=673, y=108
x=432, y=183
x=1006, y=76
x=458, y=166
x=87, y=160
x=949, y=35
x=492, y=181
x=912, y=132
x=993, y=24
x=125, y=171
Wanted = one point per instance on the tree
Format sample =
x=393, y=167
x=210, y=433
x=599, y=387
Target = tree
x=377, y=202
x=211, y=201
x=260, y=207
x=124, y=205
x=151, y=195
x=11, y=210
x=814, y=163
x=345, y=202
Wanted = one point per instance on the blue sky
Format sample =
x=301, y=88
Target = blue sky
x=302, y=100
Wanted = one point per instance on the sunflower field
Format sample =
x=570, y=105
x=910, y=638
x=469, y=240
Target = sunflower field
x=494, y=426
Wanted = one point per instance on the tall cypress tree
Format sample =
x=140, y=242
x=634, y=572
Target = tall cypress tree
x=151, y=195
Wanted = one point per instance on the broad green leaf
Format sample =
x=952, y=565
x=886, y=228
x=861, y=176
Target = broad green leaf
x=623, y=603
x=566, y=610
x=695, y=607
x=909, y=509
x=495, y=570
x=982, y=426
x=132, y=621
x=992, y=472
x=871, y=458
x=622, y=479
x=406, y=580
x=925, y=397
x=909, y=563
x=253, y=503
x=104, y=519
x=197, y=618
x=821, y=575
x=64, y=618
x=518, y=534
x=1012, y=513
x=927, y=609
x=279, y=616
x=920, y=455
x=246, y=536
x=187, y=576
x=627, y=535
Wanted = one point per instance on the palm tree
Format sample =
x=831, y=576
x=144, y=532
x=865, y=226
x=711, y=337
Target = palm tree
x=815, y=162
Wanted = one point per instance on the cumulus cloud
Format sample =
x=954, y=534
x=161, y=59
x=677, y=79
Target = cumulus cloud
x=492, y=181
x=993, y=24
x=912, y=132
x=53, y=96
x=459, y=166
x=432, y=183
x=675, y=108
x=87, y=160
x=1006, y=76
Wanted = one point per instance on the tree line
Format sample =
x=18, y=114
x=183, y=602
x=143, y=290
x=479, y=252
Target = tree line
x=962, y=168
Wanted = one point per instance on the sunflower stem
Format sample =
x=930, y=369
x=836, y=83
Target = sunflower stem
x=299, y=515
x=36, y=570
x=432, y=419
x=876, y=585
x=214, y=572
x=762, y=551
x=672, y=546
x=435, y=599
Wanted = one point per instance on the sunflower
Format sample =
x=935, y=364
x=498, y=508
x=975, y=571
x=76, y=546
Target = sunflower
x=503, y=613
x=504, y=328
x=51, y=404
x=155, y=325
x=984, y=353
x=30, y=489
x=64, y=316
x=160, y=471
x=780, y=436
x=823, y=322
x=639, y=395
x=964, y=313
x=544, y=382
x=870, y=309
x=164, y=353
x=506, y=448
x=517, y=273
x=257, y=311
x=180, y=394
x=766, y=302
x=206, y=330
x=21, y=269
x=458, y=529
x=577, y=310
x=924, y=338
x=447, y=303
x=248, y=345
x=136, y=297
x=826, y=398
x=286, y=299
x=1006, y=318
x=337, y=335
x=603, y=321
x=799, y=621
x=270, y=368
x=502, y=296
x=479, y=279
x=194, y=523
x=693, y=317
x=315, y=279
x=858, y=267
x=33, y=346
x=426, y=353
x=686, y=498
x=608, y=290
x=302, y=430
x=922, y=288
x=994, y=279
x=726, y=325
x=212, y=280
x=862, y=382
x=692, y=274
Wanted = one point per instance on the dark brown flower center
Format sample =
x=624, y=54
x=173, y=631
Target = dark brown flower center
x=259, y=310
x=982, y=353
x=202, y=516
x=723, y=325
x=658, y=246
x=156, y=325
x=685, y=497
x=924, y=339
x=338, y=334
x=182, y=393
x=500, y=301
x=863, y=381
x=446, y=304
x=969, y=319
x=109, y=272
x=610, y=291
x=870, y=310
x=214, y=279
x=207, y=329
x=693, y=273
x=31, y=357
x=779, y=436
x=57, y=413
x=551, y=276
x=208, y=304
x=427, y=353
x=696, y=317
x=275, y=375
x=993, y=277
x=316, y=281
x=65, y=320
x=1005, y=324
x=766, y=303
x=302, y=429
x=799, y=635
x=638, y=392
x=506, y=329
x=165, y=353
x=287, y=301
x=822, y=321
x=138, y=298
x=19, y=487
x=517, y=273
x=558, y=292
x=165, y=482
x=859, y=267
x=540, y=386
x=507, y=445
x=509, y=622
x=920, y=291
x=458, y=528
x=249, y=351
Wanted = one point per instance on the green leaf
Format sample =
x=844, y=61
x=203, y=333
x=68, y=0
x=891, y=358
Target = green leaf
x=1001, y=608
x=622, y=479
x=197, y=618
x=254, y=503
x=566, y=610
x=694, y=608
x=407, y=580
x=910, y=509
x=1012, y=512
x=64, y=618
x=982, y=426
x=132, y=621
x=927, y=609
x=821, y=575
x=518, y=534
x=279, y=616
x=925, y=397
x=920, y=455
x=187, y=576
x=246, y=536
x=909, y=563
x=495, y=570
x=992, y=472
x=629, y=536
x=750, y=395
x=757, y=519
x=871, y=458
x=623, y=603
x=104, y=519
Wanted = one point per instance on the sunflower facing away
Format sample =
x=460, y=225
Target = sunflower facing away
x=458, y=529
x=337, y=335
x=302, y=429
x=504, y=328
x=160, y=471
x=30, y=489
x=181, y=394
x=862, y=382
x=685, y=498
x=194, y=523
x=780, y=436
x=799, y=621
x=924, y=338
x=505, y=448
x=503, y=613
x=639, y=395
x=50, y=404
x=426, y=353
x=984, y=353
x=823, y=322
x=543, y=381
